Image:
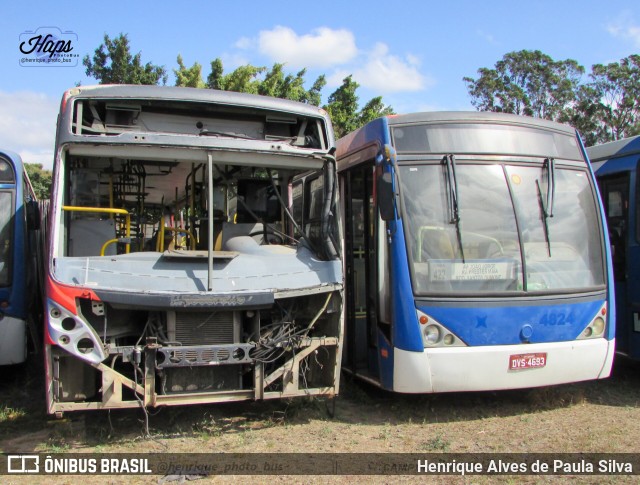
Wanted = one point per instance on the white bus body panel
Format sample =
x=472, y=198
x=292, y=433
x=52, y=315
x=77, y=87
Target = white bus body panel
x=456, y=369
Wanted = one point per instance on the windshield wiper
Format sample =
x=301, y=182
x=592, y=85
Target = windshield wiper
x=452, y=185
x=551, y=184
x=225, y=134
x=547, y=208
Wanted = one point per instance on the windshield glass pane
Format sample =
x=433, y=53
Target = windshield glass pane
x=6, y=235
x=488, y=230
x=573, y=239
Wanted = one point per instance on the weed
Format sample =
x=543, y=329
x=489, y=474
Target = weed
x=11, y=414
x=55, y=444
x=435, y=444
x=385, y=432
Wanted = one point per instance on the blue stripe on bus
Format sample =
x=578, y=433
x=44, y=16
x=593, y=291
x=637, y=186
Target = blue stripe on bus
x=611, y=295
x=504, y=325
x=406, y=334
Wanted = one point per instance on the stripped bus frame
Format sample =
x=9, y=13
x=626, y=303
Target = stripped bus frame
x=177, y=273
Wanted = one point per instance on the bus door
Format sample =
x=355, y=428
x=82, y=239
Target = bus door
x=360, y=270
x=615, y=190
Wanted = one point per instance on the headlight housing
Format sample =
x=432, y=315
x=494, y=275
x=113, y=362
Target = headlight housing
x=597, y=326
x=434, y=334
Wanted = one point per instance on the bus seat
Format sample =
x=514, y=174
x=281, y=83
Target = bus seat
x=230, y=230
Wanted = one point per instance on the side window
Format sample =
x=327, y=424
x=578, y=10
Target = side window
x=615, y=197
x=6, y=172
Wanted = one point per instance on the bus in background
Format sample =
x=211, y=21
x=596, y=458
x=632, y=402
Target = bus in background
x=476, y=254
x=616, y=167
x=17, y=262
x=194, y=250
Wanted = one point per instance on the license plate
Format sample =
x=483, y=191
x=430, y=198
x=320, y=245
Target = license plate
x=527, y=361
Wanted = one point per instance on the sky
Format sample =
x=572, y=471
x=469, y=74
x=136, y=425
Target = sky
x=413, y=53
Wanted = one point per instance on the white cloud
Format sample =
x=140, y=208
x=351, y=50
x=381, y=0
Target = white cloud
x=323, y=47
x=385, y=73
x=625, y=28
x=28, y=125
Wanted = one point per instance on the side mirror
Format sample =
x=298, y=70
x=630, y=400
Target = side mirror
x=386, y=197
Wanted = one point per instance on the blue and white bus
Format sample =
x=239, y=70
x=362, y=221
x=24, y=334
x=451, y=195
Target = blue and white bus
x=616, y=168
x=476, y=254
x=16, y=260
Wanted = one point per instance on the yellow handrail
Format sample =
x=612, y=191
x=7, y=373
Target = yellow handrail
x=177, y=230
x=104, y=246
x=106, y=210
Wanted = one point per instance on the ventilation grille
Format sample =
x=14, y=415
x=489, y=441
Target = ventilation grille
x=204, y=328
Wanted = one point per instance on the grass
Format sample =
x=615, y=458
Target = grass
x=553, y=419
x=8, y=413
x=436, y=444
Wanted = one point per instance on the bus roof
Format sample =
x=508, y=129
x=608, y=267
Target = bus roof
x=173, y=93
x=477, y=117
x=614, y=149
x=13, y=156
x=371, y=133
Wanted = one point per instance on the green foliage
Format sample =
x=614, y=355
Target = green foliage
x=609, y=105
x=527, y=83
x=113, y=64
x=259, y=80
x=374, y=109
x=40, y=179
x=343, y=108
x=531, y=83
x=190, y=77
x=215, y=80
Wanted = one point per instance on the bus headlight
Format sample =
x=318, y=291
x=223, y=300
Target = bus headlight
x=434, y=334
x=598, y=326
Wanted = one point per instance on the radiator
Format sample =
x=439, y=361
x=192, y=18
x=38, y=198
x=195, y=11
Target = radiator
x=203, y=328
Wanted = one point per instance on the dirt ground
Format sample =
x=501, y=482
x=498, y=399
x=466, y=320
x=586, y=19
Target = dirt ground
x=598, y=416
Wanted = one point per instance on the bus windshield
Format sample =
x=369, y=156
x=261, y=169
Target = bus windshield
x=503, y=238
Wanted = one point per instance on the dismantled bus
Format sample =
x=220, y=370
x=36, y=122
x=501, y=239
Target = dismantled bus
x=194, y=253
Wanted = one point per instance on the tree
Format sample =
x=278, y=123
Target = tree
x=259, y=80
x=608, y=107
x=113, y=64
x=40, y=179
x=215, y=80
x=527, y=83
x=190, y=77
x=375, y=108
x=343, y=108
